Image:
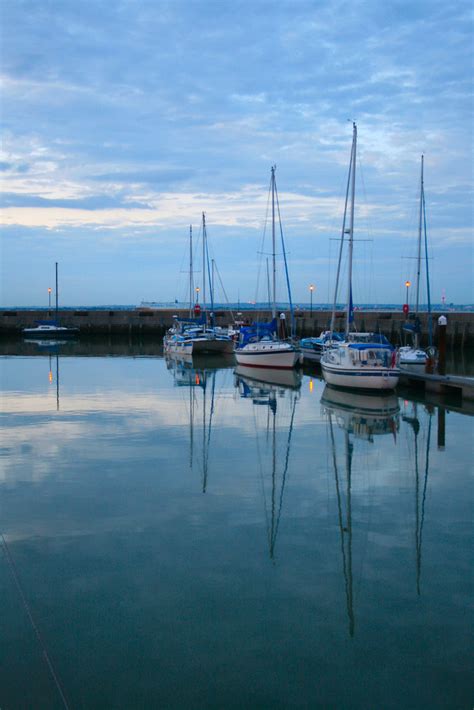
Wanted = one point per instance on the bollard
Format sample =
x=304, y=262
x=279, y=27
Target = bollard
x=442, y=323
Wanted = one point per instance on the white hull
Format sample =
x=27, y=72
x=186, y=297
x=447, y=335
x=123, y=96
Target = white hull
x=44, y=332
x=271, y=354
x=364, y=378
x=412, y=359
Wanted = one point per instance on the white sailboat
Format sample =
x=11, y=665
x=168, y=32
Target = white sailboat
x=47, y=329
x=412, y=357
x=352, y=364
x=258, y=345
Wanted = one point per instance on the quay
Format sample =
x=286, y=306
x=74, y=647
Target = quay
x=461, y=387
x=152, y=322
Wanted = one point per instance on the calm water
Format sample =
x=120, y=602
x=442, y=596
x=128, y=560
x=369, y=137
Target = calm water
x=190, y=538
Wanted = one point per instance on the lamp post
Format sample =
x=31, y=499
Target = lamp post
x=311, y=289
x=49, y=298
x=197, y=294
x=407, y=284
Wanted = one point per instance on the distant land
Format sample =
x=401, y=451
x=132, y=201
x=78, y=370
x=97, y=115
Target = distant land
x=247, y=306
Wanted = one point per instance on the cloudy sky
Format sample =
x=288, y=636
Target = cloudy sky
x=123, y=121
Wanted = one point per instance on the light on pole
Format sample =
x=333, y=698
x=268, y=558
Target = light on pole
x=407, y=284
x=311, y=289
x=197, y=294
x=49, y=298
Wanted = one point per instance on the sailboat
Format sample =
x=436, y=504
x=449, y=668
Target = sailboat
x=370, y=364
x=258, y=344
x=44, y=330
x=191, y=336
x=412, y=357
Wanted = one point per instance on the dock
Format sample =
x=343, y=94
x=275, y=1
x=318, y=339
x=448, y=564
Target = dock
x=462, y=387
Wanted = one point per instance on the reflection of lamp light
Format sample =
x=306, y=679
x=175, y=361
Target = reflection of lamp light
x=311, y=289
x=50, y=377
x=407, y=284
x=49, y=298
x=310, y=385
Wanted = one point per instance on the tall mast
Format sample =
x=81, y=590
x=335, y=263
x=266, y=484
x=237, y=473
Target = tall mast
x=351, y=229
x=273, y=243
x=57, y=291
x=418, y=258
x=204, y=245
x=191, y=284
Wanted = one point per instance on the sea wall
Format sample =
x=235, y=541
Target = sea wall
x=152, y=323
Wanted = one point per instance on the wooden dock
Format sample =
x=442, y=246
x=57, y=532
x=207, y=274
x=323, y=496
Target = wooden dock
x=440, y=384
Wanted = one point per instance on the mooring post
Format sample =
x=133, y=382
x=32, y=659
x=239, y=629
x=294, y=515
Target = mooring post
x=442, y=323
x=441, y=428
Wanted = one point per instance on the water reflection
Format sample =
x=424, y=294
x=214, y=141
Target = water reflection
x=421, y=479
x=275, y=387
x=124, y=559
x=198, y=374
x=361, y=416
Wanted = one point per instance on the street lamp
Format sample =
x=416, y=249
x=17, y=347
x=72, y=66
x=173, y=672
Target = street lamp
x=407, y=284
x=197, y=294
x=311, y=289
x=49, y=298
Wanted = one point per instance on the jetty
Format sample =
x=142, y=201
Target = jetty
x=145, y=322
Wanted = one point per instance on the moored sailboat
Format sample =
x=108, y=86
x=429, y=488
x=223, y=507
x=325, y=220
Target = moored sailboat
x=357, y=365
x=259, y=344
x=412, y=357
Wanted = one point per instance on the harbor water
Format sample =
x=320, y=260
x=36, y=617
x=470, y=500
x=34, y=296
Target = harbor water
x=191, y=535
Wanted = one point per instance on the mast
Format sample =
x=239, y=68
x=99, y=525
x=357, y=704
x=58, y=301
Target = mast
x=191, y=285
x=351, y=229
x=336, y=288
x=57, y=292
x=418, y=258
x=204, y=245
x=273, y=244
x=428, y=294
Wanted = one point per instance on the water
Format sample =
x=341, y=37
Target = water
x=185, y=538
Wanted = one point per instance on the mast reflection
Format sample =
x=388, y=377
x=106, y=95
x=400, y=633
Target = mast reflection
x=361, y=416
x=266, y=388
x=198, y=374
x=420, y=496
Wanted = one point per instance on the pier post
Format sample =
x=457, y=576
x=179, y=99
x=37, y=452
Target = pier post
x=441, y=428
x=442, y=323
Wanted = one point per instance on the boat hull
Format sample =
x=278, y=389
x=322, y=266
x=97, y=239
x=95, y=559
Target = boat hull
x=368, y=378
x=268, y=356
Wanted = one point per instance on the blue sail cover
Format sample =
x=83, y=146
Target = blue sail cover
x=257, y=331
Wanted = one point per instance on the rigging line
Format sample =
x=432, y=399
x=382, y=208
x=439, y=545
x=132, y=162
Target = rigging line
x=293, y=329
x=223, y=290
x=14, y=572
x=333, y=317
x=263, y=243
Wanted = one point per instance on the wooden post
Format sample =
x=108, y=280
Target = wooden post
x=442, y=323
x=441, y=427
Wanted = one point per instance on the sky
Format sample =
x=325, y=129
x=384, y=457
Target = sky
x=122, y=122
